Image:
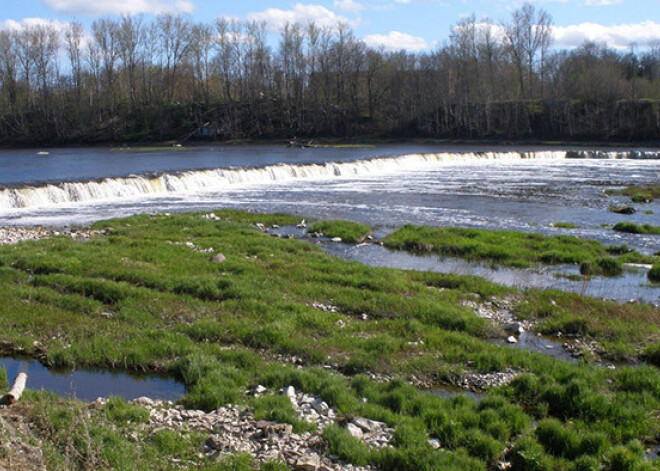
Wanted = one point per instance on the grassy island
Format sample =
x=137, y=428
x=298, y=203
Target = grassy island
x=152, y=295
x=513, y=249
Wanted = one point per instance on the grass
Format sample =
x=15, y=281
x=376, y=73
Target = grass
x=637, y=194
x=215, y=326
x=349, y=231
x=564, y=225
x=654, y=273
x=622, y=209
x=515, y=249
x=632, y=228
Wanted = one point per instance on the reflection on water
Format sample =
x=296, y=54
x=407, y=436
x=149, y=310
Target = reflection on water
x=89, y=385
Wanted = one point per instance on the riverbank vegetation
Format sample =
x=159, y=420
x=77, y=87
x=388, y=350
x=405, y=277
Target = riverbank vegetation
x=135, y=79
x=150, y=296
x=514, y=249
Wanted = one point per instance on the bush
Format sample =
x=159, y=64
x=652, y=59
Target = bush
x=528, y=455
x=652, y=354
x=345, y=446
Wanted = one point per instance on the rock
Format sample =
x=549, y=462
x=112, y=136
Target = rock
x=336, y=239
x=311, y=462
x=435, y=443
x=367, y=425
x=355, y=431
x=218, y=258
x=512, y=339
x=144, y=401
x=291, y=392
x=260, y=389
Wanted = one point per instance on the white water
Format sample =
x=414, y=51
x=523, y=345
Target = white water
x=217, y=179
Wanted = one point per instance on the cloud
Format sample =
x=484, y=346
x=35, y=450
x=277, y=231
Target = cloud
x=13, y=25
x=276, y=18
x=109, y=7
x=395, y=41
x=616, y=36
x=350, y=6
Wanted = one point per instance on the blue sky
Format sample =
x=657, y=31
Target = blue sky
x=411, y=24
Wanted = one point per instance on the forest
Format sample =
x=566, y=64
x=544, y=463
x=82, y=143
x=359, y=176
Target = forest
x=136, y=79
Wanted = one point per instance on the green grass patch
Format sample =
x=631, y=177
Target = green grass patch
x=349, y=231
x=564, y=225
x=515, y=249
x=632, y=228
x=654, y=273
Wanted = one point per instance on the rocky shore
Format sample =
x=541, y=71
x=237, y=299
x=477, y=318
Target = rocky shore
x=233, y=429
x=16, y=234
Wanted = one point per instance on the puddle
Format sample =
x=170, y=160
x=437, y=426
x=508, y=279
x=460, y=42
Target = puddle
x=87, y=385
x=539, y=344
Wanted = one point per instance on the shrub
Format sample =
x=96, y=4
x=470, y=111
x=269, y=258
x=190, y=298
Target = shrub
x=610, y=266
x=345, y=446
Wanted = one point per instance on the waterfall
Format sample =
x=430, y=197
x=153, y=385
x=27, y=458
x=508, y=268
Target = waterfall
x=220, y=178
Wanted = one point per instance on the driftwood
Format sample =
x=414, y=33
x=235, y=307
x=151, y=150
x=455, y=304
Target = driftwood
x=16, y=390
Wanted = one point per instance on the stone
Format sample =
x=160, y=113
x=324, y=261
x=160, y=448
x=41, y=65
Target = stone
x=435, y=443
x=260, y=389
x=336, y=239
x=218, y=258
x=355, y=431
x=367, y=425
x=512, y=339
x=291, y=392
x=311, y=462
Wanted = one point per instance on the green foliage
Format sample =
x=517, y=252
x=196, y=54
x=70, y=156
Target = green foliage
x=349, y=231
x=121, y=412
x=623, y=210
x=4, y=382
x=345, y=446
x=279, y=409
x=633, y=228
x=650, y=354
x=516, y=249
x=564, y=225
x=654, y=273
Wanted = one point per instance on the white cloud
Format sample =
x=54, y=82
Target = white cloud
x=616, y=36
x=320, y=15
x=350, y=6
x=13, y=25
x=109, y=7
x=395, y=41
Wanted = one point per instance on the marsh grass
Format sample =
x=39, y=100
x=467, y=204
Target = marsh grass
x=349, y=232
x=632, y=228
x=140, y=299
x=514, y=249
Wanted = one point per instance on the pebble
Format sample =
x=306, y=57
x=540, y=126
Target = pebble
x=16, y=234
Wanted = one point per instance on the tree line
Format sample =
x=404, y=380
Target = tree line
x=136, y=79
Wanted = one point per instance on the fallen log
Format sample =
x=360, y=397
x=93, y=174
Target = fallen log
x=16, y=390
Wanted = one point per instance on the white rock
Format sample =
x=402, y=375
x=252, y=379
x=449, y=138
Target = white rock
x=355, y=431
x=291, y=392
x=512, y=339
x=336, y=239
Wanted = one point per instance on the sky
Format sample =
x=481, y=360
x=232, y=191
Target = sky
x=393, y=24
